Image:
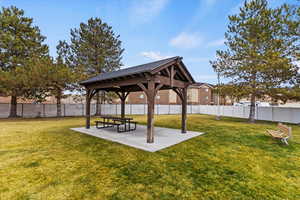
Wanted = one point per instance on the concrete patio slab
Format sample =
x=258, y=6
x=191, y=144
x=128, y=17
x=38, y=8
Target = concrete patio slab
x=163, y=137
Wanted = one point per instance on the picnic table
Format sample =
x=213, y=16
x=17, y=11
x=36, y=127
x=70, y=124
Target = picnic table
x=124, y=124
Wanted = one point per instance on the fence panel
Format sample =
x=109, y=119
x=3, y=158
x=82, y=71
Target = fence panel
x=108, y=109
x=138, y=109
x=105, y=109
x=227, y=111
x=280, y=114
x=50, y=110
x=72, y=109
x=239, y=111
x=163, y=109
x=189, y=109
x=175, y=109
x=195, y=109
x=118, y=109
x=265, y=113
x=295, y=115
x=30, y=110
x=93, y=109
x=4, y=110
x=127, y=109
x=20, y=109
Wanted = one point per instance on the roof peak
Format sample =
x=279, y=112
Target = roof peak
x=138, y=69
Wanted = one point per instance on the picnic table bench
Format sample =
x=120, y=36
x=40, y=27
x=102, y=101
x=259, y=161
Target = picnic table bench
x=282, y=133
x=124, y=124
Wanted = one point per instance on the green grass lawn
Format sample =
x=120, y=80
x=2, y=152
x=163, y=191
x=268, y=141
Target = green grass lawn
x=44, y=159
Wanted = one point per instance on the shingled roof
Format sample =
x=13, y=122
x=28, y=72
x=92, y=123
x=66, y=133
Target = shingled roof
x=199, y=84
x=148, y=67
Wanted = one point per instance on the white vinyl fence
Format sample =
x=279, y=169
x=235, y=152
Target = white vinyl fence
x=278, y=114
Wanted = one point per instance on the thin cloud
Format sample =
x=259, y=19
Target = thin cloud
x=210, y=2
x=186, y=40
x=143, y=11
x=216, y=43
x=153, y=55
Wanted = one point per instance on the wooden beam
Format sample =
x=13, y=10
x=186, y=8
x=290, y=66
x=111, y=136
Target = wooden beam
x=88, y=109
x=158, y=88
x=143, y=88
x=138, y=81
x=123, y=101
x=184, y=110
x=117, y=83
x=166, y=81
x=172, y=76
x=150, y=114
x=122, y=108
x=168, y=72
x=126, y=95
x=119, y=95
x=179, y=93
x=163, y=66
x=179, y=75
x=184, y=72
x=93, y=92
x=122, y=95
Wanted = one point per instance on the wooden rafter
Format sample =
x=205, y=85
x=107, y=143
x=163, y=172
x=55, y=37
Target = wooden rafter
x=183, y=71
x=143, y=88
x=122, y=95
x=158, y=87
x=117, y=83
x=163, y=67
x=168, y=72
x=179, y=93
x=167, y=81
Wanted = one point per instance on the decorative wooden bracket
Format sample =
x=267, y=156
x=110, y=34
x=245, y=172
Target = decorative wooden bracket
x=158, y=88
x=122, y=95
x=171, y=74
x=142, y=86
x=91, y=92
x=179, y=92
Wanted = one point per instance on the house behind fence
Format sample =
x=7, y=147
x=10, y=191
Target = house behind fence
x=277, y=114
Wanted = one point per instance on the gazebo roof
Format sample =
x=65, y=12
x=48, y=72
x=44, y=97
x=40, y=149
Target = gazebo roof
x=170, y=73
x=139, y=69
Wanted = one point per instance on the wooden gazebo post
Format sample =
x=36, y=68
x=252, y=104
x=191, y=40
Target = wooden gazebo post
x=88, y=109
x=122, y=95
x=89, y=95
x=150, y=113
x=184, y=110
x=182, y=93
x=150, y=93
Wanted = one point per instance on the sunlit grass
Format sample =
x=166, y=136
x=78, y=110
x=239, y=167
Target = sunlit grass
x=44, y=159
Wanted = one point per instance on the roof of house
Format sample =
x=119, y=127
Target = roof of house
x=199, y=84
x=148, y=67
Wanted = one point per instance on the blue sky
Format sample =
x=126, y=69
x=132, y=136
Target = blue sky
x=149, y=29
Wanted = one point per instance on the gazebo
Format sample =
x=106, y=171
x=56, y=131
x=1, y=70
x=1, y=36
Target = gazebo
x=164, y=74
